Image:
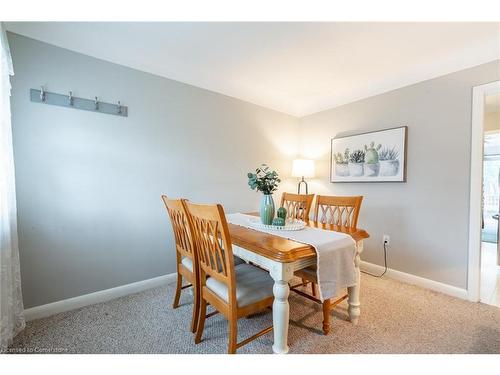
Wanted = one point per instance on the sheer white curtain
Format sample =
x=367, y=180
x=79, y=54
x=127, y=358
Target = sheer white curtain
x=11, y=302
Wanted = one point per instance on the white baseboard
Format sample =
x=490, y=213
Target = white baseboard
x=49, y=309
x=416, y=280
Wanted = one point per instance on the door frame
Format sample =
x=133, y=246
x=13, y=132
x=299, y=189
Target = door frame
x=476, y=174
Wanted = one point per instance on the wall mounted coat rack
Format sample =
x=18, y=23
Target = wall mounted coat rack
x=70, y=101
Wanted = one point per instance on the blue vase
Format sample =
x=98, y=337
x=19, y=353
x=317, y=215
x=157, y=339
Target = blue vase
x=267, y=209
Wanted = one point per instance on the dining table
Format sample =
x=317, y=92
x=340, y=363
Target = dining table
x=282, y=257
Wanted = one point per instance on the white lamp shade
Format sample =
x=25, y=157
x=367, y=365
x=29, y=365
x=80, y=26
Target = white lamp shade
x=303, y=168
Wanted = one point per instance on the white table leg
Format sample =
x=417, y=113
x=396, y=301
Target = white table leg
x=282, y=274
x=353, y=291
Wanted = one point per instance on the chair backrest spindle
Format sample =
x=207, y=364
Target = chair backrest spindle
x=336, y=210
x=297, y=206
x=179, y=219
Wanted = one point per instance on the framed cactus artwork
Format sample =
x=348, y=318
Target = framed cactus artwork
x=378, y=156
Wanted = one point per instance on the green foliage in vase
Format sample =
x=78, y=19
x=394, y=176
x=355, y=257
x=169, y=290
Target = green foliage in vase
x=388, y=154
x=371, y=153
x=263, y=180
x=279, y=221
x=358, y=156
x=281, y=212
x=342, y=158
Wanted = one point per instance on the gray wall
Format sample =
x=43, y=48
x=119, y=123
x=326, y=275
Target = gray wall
x=426, y=217
x=89, y=184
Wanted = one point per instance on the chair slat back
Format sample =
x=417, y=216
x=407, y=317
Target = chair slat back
x=180, y=225
x=212, y=243
x=336, y=210
x=297, y=205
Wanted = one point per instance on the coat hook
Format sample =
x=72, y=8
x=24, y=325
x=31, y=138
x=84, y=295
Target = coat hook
x=42, y=94
x=96, y=104
x=119, y=107
x=70, y=98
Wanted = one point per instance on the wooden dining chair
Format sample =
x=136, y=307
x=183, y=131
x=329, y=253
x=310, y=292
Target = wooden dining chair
x=297, y=205
x=342, y=212
x=235, y=291
x=186, y=257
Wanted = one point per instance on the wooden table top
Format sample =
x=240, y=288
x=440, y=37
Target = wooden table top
x=281, y=249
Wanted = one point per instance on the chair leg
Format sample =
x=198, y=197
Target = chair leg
x=233, y=335
x=177, y=291
x=313, y=289
x=201, y=323
x=304, y=282
x=196, y=309
x=326, y=317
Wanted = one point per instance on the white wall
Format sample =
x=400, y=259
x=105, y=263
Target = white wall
x=89, y=184
x=426, y=217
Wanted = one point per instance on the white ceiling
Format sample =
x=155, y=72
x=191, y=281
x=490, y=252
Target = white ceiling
x=296, y=68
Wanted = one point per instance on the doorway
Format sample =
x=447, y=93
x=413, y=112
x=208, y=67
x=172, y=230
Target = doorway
x=484, y=251
x=490, y=250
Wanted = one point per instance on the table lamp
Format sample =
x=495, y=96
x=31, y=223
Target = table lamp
x=302, y=168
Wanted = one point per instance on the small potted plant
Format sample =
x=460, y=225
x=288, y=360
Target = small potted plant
x=266, y=181
x=356, y=161
x=389, y=162
x=341, y=163
x=371, y=160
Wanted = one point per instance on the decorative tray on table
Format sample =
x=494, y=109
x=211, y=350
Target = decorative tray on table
x=290, y=224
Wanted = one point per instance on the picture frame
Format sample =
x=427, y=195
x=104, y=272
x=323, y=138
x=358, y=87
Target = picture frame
x=376, y=156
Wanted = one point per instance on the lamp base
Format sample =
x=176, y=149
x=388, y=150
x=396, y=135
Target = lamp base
x=300, y=183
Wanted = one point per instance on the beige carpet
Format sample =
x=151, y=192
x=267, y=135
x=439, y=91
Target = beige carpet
x=395, y=318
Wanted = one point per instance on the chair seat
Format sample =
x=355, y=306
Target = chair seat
x=238, y=261
x=309, y=273
x=252, y=285
x=188, y=263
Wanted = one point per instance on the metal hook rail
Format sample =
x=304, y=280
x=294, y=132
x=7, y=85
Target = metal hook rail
x=70, y=101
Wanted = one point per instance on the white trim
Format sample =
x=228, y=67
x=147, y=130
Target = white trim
x=416, y=280
x=476, y=178
x=69, y=304
x=49, y=309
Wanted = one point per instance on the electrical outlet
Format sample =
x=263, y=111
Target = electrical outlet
x=386, y=239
